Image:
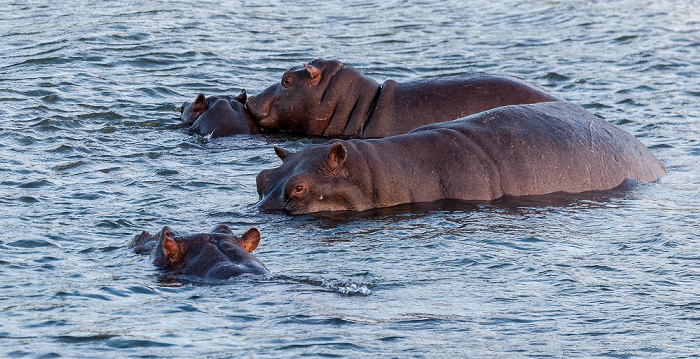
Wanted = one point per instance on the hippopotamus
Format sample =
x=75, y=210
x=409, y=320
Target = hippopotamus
x=217, y=255
x=218, y=116
x=517, y=150
x=327, y=98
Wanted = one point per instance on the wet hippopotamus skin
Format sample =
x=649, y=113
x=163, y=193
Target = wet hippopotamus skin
x=327, y=98
x=518, y=150
x=218, y=116
x=217, y=255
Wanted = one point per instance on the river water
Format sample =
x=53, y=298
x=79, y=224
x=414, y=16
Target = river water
x=91, y=155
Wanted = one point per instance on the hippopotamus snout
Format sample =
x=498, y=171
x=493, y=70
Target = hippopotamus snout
x=270, y=203
x=264, y=182
x=261, y=109
x=270, y=191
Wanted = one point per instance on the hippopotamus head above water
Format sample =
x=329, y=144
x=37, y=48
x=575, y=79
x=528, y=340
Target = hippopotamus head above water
x=328, y=98
x=317, y=178
x=296, y=102
x=218, y=116
x=190, y=111
x=218, y=255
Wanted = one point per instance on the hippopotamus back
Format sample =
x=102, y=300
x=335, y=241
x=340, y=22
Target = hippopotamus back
x=402, y=107
x=514, y=150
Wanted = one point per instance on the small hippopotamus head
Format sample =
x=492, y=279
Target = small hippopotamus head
x=318, y=178
x=219, y=254
x=190, y=111
x=290, y=103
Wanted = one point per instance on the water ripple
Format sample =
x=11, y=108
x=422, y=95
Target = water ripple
x=91, y=156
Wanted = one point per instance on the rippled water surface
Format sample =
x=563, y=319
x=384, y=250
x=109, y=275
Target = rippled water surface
x=91, y=155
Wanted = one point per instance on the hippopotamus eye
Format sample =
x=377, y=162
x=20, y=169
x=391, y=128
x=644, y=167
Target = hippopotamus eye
x=298, y=191
x=287, y=80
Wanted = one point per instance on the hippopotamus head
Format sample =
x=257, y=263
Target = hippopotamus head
x=316, y=179
x=295, y=99
x=190, y=111
x=219, y=254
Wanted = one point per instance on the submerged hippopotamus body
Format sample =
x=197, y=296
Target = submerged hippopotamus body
x=515, y=150
x=327, y=98
x=218, y=116
x=217, y=255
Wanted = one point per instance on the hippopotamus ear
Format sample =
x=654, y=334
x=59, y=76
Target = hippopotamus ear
x=200, y=104
x=337, y=156
x=314, y=73
x=223, y=229
x=171, y=248
x=242, y=97
x=281, y=152
x=249, y=240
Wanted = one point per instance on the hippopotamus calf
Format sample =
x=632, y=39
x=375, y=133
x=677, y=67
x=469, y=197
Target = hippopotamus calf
x=218, y=116
x=327, y=98
x=515, y=150
x=217, y=255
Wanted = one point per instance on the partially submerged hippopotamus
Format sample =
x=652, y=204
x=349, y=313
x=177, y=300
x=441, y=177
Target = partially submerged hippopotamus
x=218, y=255
x=515, y=150
x=218, y=116
x=327, y=98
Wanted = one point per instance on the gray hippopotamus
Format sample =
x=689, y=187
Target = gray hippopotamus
x=517, y=150
x=327, y=98
x=218, y=116
x=217, y=255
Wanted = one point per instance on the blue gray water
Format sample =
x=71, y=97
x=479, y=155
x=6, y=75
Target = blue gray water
x=91, y=155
